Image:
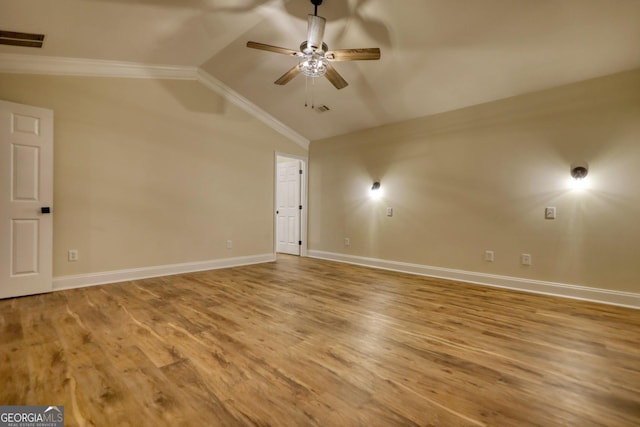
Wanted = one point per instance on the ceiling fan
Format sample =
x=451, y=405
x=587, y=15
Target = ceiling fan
x=315, y=56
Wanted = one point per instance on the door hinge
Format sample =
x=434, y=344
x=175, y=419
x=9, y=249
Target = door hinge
x=300, y=207
x=300, y=171
x=299, y=242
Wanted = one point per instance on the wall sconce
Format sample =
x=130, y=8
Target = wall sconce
x=579, y=170
x=376, y=191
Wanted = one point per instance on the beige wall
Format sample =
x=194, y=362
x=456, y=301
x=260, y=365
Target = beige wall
x=479, y=178
x=151, y=172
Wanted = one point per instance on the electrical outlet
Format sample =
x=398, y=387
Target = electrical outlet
x=347, y=242
x=488, y=256
x=72, y=255
x=525, y=259
x=550, y=213
x=229, y=244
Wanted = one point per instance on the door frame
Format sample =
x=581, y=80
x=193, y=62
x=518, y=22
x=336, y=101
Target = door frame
x=303, y=200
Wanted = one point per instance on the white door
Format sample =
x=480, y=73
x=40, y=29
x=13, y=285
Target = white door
x=26, y=196
x=288, y=207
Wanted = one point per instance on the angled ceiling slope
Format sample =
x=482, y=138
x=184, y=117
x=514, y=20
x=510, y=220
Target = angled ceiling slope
x=436, y=55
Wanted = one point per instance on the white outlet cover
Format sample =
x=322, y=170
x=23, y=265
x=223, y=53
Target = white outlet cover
x=550, y=212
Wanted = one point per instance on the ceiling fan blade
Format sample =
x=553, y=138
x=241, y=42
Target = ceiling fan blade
x=269, y=48
x=289, y=75
x=335, y=78
x=367, y=54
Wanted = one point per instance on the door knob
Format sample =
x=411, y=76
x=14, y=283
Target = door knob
x=45, y=210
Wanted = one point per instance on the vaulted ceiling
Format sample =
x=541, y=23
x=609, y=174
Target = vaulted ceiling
x=437, y=55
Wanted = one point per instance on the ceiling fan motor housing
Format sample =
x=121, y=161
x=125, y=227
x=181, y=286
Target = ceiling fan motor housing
x=315, y=32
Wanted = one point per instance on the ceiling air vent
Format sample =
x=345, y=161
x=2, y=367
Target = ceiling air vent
x=321, y=108
x=14, y=38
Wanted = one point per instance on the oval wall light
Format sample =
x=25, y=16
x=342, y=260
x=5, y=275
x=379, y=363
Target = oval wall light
x=579, y=170
x=376, y=191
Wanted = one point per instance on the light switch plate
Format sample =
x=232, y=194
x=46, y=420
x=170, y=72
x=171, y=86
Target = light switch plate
x=389, y=211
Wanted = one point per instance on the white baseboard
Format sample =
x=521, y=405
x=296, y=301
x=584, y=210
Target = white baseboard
x=625, y=299
x=91, y=279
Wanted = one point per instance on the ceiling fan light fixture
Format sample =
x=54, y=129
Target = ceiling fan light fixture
x=314, y=62
x=314, y=67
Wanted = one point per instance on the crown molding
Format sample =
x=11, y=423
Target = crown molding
x=60, y=66
x=63, y=66
x=240, y=101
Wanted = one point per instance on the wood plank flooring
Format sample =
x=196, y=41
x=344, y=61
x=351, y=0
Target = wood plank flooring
x=304, y=342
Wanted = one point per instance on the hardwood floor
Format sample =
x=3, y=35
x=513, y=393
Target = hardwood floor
x=305, y=342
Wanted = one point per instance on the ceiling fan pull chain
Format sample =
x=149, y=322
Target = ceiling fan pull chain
x=306, y=90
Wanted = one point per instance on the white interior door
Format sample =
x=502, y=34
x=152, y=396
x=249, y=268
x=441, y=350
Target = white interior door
x=26, y=199
x=288, y=207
